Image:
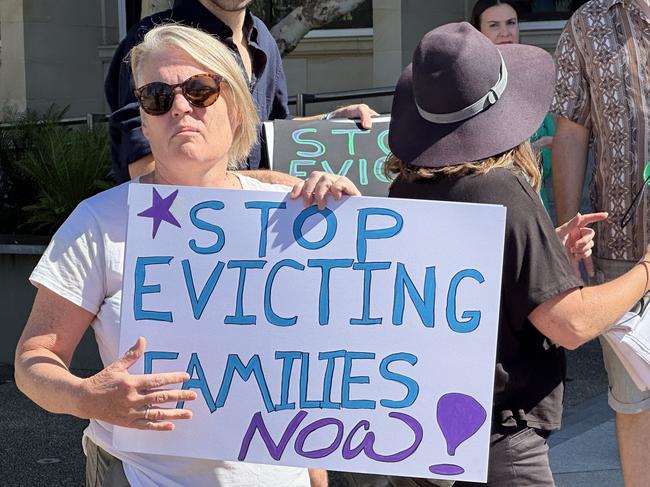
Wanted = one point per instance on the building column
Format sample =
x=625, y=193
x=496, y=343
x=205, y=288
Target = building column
x=398, y=26
x=13, y=91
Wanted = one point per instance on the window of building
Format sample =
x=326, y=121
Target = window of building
x=272, y=11
x=531, y=10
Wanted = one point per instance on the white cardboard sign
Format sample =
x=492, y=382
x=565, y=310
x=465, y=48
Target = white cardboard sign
x=358, y=338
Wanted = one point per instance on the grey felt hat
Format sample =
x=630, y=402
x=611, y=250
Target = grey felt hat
x=464, y=99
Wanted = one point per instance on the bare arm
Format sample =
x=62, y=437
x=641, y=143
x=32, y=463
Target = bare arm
x=578, y=315
x=361, y=111
x=142, y=166
x=42, y=362
x=318, y=477
x=569, y=163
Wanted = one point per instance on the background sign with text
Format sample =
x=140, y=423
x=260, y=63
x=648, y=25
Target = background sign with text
x=336, y=146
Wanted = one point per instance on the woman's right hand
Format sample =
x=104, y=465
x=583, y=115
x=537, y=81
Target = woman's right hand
x=134, y=401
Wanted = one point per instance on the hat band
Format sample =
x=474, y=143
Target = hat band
x=475, y=108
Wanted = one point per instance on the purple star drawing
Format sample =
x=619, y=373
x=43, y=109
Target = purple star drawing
x=159, y=211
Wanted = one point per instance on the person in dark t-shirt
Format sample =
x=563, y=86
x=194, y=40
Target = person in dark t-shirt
x=462, y=115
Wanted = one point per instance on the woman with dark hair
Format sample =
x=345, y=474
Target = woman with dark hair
x=498, y=20
x=461, y=120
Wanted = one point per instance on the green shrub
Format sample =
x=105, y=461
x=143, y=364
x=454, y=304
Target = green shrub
x=17, y=134
x=57, y=167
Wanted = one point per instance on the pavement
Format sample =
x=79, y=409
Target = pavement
x=42, y=449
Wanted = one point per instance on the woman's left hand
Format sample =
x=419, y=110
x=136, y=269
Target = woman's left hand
x=319, y=185
x=578, y=240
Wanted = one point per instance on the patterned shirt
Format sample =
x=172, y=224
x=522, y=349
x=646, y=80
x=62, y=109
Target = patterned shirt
x=603, y=83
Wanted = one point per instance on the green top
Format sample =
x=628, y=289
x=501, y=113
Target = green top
x=547, y=129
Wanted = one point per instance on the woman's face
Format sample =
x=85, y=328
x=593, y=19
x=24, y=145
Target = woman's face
x=500, y=24
x=186, y=138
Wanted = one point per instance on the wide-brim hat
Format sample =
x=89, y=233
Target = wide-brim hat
x=464, y=99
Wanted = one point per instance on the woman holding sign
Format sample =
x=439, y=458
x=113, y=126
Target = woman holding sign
x=200, y=120
x=462, y=116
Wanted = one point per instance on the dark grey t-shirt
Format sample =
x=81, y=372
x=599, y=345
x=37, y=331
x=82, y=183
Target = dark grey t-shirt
x=529, y=381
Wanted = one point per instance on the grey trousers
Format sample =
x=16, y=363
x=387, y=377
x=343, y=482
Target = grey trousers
x=516, y=460
x=102, y=468
x=371, y=480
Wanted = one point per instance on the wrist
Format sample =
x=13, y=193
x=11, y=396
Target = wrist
x=645, y=263
x=81, y=396
x=327, y=116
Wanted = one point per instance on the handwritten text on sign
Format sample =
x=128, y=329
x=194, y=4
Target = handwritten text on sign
x=360, y=338
x=339, y=147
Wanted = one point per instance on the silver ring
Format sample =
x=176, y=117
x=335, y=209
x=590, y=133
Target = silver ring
x=146, y=412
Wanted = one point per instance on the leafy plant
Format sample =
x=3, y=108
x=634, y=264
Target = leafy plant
x=64, y=166
x=17, y=134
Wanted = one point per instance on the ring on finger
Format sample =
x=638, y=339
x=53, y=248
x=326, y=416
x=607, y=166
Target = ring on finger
x=146, y=412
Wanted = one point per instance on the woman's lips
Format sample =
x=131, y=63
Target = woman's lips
x=186, y=130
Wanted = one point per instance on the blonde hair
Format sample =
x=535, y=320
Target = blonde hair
x=521, y=159
x=216, y=58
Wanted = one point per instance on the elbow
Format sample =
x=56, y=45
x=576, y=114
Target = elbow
x=575, y=333
x=572, y=343
x=19, y=372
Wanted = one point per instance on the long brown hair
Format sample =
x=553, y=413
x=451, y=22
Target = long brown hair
x=520, y=159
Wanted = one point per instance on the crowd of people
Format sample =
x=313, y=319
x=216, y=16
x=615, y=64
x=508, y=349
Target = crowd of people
x=469, y=117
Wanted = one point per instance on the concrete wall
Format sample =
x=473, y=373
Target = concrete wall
x=62, y=64
x=59, y=50
x=330, y=61
x=12, y=55
x=50, y=53
x=400, y=24
x=16, y=301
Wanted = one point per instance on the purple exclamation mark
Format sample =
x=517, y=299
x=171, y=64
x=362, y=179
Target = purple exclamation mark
x=460, y=416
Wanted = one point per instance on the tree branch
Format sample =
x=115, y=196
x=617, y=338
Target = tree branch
x=311, y=15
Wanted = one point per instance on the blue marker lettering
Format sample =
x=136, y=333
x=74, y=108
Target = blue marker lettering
x=367, y=268
x=198, y=304
x=329, y=374
x=271, y=316
x=264, y=206
x=425, y=306
x=203, y=225
x=364, y=234
x=288, y=358
x=326, y=266
x=348, y=379
x=140, y=289
x=239, y=318
x=199, y=383
x=412, y=387
x=300, y=220
x=304, y=384
x=254, y=367
x=472, y=318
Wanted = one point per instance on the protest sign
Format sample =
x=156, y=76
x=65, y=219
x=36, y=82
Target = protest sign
x=357, y=338
x=337, y=146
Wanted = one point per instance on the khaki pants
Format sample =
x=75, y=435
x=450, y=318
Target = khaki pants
x=102, y=468
x=623, y=395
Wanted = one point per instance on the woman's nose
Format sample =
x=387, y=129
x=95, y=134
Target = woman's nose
x=180, y=105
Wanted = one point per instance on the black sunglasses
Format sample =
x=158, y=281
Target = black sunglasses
x=629, y=213
x=200, y=90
